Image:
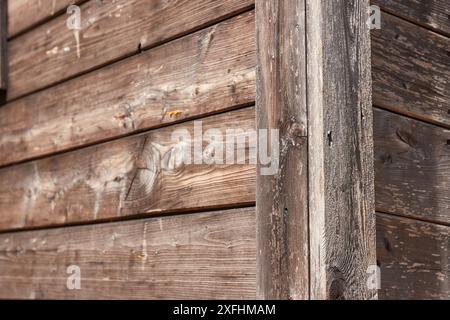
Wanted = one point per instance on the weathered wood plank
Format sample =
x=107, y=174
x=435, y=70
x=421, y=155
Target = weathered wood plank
x=3, y=51
x=411, y=70
x=401, y=83
x=341, y=206
x=200, y=256
x=207, y=72
x=432, y=14
x=139, y=175
x=25, y=14
x=414, y=257
x=282, y=198
x=412, y=168
x=110, y=30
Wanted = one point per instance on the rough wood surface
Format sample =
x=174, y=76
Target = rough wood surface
x=411, y=70
x=432, y=14
x=210, y=71
x=412, y=168
x=282, y=197
x=200, y=256
x=139, y=175
x=110, y=30
x=3, y=52
x=341, y=206
x=414, y=257
x=25, y=14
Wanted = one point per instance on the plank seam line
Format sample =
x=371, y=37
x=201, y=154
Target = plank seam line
x=140, y=50
x=41, y=22
x=411, y=117
x=134, y=217
x=417, y=24
x=422, y=220
x=100, y=142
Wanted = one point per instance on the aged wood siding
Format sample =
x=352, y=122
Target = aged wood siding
x=411, y=73
x=74, y=142
x=414, y=257
x=433, y=14
x=137, y=175
x=110, y=30
x=208, y=255
x=88, y=140
x=210, y=71
x=26, y=14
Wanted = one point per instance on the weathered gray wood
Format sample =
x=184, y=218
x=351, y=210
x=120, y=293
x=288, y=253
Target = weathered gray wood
x=134, y=176
x=412, y=168
x=411, y=70
x=414, y=258
x=282, y=203
x=199, y=256
x=433, y=14
x=110, y=30
x=342, y=211
x=210, y=71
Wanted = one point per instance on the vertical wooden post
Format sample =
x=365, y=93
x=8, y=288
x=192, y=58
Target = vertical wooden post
x=282, y=199
x=3, y=50
x=342, y=209
x=316, y=217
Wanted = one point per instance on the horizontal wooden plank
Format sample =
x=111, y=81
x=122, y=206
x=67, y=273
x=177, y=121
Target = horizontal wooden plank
x=412, y=177
x=412, y=167
x=411, y=70
x=414, y=257
x=432, y=14
x=138, y=175
x=25, y=14
x=200, y=256
x=212, y=70
x=110, y=30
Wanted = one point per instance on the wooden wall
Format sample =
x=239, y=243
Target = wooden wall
x=411, y=73
x=89, y=174
x=80, y=180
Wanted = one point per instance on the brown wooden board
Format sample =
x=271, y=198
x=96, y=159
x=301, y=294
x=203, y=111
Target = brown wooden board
x=26, y=14
x=433, y=14
x=282, y=196
x=3, y=52
x=412, y=168
x=110, y=30
x=166, y=258
x=411, y=70
x=139, y=175
x=341, y=191
x=210, y=71
x=200, y=256
x=414, y=257
x=402, y=83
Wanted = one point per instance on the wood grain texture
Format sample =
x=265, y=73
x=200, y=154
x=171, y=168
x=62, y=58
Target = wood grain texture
x=414, y=257
x=210, y=71
x=3, y=52
x=341, y=177
x=412, y=168
x=432, y=14
x=282, y=198
x=110, y=30
x=411, y=70
x=145, y=174
x=25, y=14
x=200, y=256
